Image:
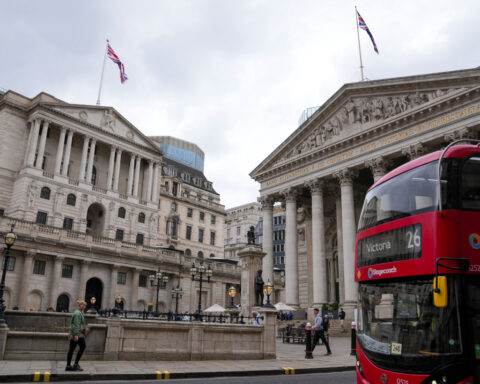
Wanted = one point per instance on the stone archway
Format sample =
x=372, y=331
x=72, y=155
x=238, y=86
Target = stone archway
x=96, y=219
x=6, y=297
x=94, y=289
x=63, y=303
x=34, y=301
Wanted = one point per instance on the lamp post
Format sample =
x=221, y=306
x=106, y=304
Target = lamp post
x=177, y=293
x=201, y=271
x=92, y=309
x=9, y=239
x=268, y=289
x=232, y=291
x=160, y=277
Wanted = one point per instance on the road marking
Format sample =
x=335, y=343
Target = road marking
x=36, y=376
x=46, y=376
x=289, y=370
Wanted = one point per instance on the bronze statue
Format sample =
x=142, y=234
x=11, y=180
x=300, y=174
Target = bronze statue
x=259, y=289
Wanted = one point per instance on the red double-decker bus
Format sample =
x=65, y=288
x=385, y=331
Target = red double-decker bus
x=418, y=269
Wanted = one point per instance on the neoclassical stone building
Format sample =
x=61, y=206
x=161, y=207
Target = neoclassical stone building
x=323, y=169
x=84, y=188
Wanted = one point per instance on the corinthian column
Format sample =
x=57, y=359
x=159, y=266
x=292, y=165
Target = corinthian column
x=111, y=162
x=90, y=161
x=82, y=284
x=149, y=180
x=83, y=160
x=414, y=151
x=341, y=268
x=155, y=183
x=291, y=255
x=117, y=170
x=130, y=174
x=320, y=295
x=41, y=145
x=68, y=149
x=267, y=213
x=349, y=231
x=33, y=141
x=25, y=281
x=378, y=166
x=55, y=278
x=61, y=144
x=137, y=176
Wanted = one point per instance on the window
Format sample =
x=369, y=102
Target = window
x=238, y=231
x=174, y=189
x=174, y=207
x=121, y=212
x=71, y=199
x=139, y=239
x=10, y=263
x=45, y=193
x=142, y=281
x=94, y=174
x=2, y=212
x=212, y=255
x=39, y=267
x=200, y=254
x=213, y=219
x=188, y=252
x=212, y=238
x=200, y=235
x=122, y=278
x=141, y=217
x=166, y=186
x=189, y=233
x=68, y=223
x=189, y=212
x=470, y=184
x=172, y=230
x=228, y=233
x=202, y=216
x=67, y=271
x=119, y=235
x=41, y=218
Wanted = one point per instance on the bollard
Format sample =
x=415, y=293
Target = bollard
x=308, y=341
x=354, y=341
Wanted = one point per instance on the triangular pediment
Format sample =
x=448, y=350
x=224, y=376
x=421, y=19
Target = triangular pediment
x=360, y=107
x=106, y=119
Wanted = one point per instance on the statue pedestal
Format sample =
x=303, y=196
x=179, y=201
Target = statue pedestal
x=251, y=260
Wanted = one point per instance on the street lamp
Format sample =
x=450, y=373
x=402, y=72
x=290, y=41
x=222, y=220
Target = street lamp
x=268, y=289
x=201, y=270
x=177, y=293
x=160, y=277
x=92, y=309
x=9, y=239
x=232, y=291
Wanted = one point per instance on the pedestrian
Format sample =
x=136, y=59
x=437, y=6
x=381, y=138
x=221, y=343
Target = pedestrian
x=77, y=336
x=341, y=316
x=319, y=332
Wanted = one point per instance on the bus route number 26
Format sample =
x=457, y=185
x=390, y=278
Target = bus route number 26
x=414, y=239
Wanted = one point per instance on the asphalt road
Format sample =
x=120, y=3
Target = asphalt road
x=314, y=378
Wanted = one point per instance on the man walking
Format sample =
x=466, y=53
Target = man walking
x=319, y=332
x=77, y=336
x=341, y=316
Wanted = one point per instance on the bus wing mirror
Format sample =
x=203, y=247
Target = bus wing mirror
x=440, y=291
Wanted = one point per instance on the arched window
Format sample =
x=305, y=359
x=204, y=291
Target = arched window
x=94, y=175
x=121, y=212
x=63, y=303
x=45, y=193
x=212, y=255
x=141, y=217
x=200, y=254
x=188, y=252
x=71, y=199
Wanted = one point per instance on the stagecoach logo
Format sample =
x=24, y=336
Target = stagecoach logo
x=474, y=240
x=379, y=272
x=384, y=378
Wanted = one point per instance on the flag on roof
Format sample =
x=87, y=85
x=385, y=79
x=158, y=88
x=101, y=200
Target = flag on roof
x=113, y=56
x=363, y=25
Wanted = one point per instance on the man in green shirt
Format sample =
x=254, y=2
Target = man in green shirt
x=77, y=336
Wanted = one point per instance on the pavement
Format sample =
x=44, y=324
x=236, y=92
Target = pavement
x=290, y=360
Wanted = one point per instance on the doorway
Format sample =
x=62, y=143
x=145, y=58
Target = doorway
x=94, y=289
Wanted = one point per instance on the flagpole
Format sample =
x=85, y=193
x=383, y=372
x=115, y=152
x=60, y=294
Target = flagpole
x=359, y=48
x=103, y=70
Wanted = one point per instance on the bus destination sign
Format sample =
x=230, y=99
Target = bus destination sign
x=398, y=244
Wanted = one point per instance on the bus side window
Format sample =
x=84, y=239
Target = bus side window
x=471, y=184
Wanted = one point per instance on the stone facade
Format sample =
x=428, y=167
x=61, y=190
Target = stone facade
x=322, y=171
x=85, y=190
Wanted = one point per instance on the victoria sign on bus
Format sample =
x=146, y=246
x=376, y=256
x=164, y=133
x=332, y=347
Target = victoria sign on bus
x=398, y=244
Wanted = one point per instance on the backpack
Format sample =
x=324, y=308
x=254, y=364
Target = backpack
x=325, y=323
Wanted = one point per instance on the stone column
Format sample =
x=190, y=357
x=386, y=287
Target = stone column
x=113, y=287
x=90, y=161
x=35, y=129
x=66, y=159
x=251, y=261
x=134, y=296
x=61, y=145
x=54, y=280
x=378, y=166
x=341, y=274
x=291, y=253
x=155, y=183
x=130, y=174
x=41, y=145
x=83, y=161
x=25, y=281
x=267, y=213
x=137, y=176
x=414, y=151
x=320, y=289
x=82, y=283
x=149, y=180
x=118, y=161
x=349, y=232
x=111, y=162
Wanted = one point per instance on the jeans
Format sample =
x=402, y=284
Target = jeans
x=81, y=344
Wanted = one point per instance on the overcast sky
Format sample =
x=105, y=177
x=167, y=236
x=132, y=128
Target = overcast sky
x=232, y=76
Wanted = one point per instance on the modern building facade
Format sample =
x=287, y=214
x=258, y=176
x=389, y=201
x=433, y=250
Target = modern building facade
x=85, y=190
x=322, y=170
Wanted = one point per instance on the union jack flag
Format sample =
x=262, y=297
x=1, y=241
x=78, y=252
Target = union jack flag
x=113, y=56
x=363, y=25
